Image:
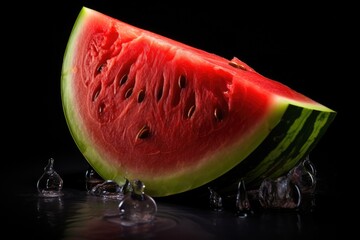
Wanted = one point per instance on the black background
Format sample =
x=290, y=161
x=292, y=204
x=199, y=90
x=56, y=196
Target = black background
x=307, y=47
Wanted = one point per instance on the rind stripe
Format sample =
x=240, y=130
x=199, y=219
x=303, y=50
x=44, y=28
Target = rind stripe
x=277, y=134
x=294, y=137
x=316, y=125
x=271, y=158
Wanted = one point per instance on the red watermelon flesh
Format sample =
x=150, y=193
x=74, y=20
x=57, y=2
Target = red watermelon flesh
x=140, y=105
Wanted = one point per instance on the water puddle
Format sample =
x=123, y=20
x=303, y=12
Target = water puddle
x=105, y=210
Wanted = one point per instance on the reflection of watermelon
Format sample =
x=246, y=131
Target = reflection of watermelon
x=140, y=105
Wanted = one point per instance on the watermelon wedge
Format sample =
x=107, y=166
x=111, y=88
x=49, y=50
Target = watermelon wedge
x=142, y=106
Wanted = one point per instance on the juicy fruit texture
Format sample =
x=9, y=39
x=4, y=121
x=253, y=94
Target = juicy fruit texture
x=142, y=106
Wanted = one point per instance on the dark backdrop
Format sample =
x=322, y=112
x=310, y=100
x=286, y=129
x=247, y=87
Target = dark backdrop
x=303, y=46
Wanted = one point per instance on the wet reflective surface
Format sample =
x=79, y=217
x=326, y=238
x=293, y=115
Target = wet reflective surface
x=78, y=214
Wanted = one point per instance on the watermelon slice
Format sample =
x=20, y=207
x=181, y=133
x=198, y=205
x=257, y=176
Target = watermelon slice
x=143, y=106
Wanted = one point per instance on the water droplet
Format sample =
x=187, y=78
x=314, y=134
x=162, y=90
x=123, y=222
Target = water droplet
x=108, y=189
x=50, y=183
x=92, y=178
x=242, y=200
x=279, y=193
x=304, y=176
x=215, y=200
x=137, y=207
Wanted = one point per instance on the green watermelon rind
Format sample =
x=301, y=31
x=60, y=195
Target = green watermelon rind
x=290, y=142
x=261, y=146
